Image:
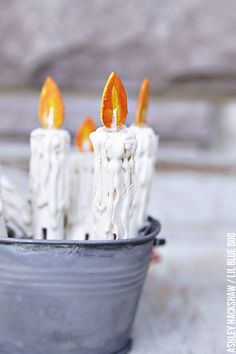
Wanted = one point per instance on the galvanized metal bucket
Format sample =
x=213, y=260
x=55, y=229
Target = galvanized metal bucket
x=71, y=297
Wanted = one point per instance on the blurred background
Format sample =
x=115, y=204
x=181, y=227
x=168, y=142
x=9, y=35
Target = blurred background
x=187, y=49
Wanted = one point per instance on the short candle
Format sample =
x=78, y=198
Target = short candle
x=81, y=184
x=16, y=209
x=3, y=228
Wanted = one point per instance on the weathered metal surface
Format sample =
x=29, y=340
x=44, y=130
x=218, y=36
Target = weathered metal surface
x=67, y=297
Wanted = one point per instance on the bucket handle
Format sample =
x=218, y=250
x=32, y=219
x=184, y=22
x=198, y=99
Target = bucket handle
x=159, y=242
x=155, y=227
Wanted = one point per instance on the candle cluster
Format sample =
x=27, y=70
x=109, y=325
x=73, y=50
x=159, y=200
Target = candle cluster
x=99, y=189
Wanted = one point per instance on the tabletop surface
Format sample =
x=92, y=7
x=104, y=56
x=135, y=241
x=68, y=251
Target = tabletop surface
x=182, y=305
x=182, y=308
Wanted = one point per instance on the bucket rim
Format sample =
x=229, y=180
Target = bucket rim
x=148, y=233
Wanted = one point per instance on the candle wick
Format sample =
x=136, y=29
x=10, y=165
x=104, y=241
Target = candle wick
x=51, y=117
x=114, y=121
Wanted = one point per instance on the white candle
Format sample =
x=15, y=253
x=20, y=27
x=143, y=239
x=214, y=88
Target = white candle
x=49, y=167
x=114, y=146
x=145, y=157
x=3, y=229
x=80, y=206
x=17, y=210
x=79, y=218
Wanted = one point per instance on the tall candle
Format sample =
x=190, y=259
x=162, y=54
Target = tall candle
x=145, y=157
x=114, y=147
x=81, y=184
x=50, y=147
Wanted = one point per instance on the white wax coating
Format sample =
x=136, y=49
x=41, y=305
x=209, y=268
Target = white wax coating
x=113, y=182
x=81, y=184
x=49, y=173
x=16, y=209
x=145, y=157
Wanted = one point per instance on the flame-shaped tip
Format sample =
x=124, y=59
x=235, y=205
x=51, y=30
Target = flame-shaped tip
x=143, y=99
x=113, y=110
x=82, y=141
x=51, y=107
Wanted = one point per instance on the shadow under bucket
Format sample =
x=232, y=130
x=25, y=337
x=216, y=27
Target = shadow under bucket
x=71, y=297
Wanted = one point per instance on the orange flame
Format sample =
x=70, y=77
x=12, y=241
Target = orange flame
x=82, y=140
x=143, y=99
x=113, y=110
x=51, y=108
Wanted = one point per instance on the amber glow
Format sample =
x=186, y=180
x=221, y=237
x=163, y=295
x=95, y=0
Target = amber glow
x=82, y=140
x=51, y=107
x=113, y=110
x=143, y=99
